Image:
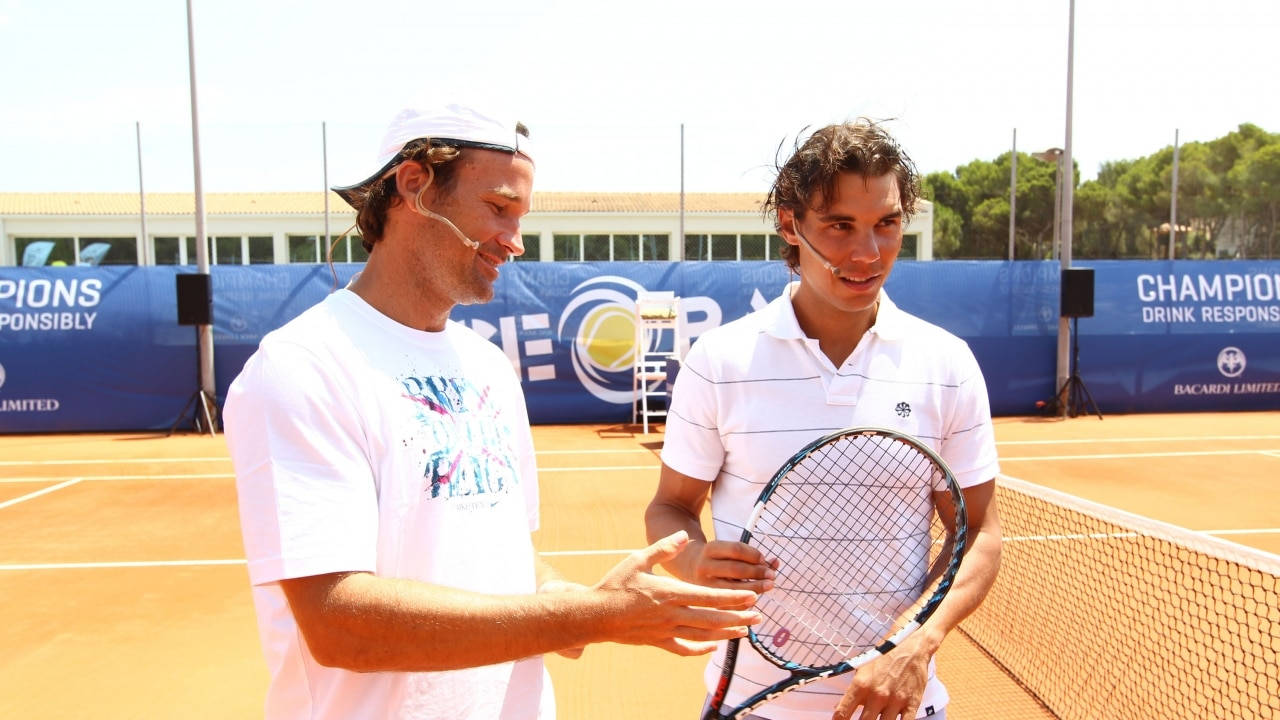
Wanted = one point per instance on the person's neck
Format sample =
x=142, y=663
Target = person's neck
x=385, y=285
x=838, y=333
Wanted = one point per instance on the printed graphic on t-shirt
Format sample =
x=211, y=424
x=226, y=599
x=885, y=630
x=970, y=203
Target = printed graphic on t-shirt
x=467, y=448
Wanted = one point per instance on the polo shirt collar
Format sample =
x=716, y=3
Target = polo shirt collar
x=780, y=317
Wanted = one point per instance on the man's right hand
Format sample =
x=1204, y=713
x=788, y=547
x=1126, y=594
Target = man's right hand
x=680, y=617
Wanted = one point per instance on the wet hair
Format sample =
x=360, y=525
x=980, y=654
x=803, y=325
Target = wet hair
x=809, y=177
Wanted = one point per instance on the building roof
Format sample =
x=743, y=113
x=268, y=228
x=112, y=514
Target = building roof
x=312, y=203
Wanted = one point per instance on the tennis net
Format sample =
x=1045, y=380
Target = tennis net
x=1103, y=614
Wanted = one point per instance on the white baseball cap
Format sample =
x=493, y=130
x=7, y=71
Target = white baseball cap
x=452, y=125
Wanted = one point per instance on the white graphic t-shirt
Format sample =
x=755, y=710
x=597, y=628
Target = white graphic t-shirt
x=360, y=444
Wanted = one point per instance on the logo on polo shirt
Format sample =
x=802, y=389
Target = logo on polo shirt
x=902, y=409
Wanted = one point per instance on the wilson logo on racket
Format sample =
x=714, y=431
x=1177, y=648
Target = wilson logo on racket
x=869, y=527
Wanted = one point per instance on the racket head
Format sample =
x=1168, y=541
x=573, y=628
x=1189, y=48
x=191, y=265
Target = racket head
x=869, y=526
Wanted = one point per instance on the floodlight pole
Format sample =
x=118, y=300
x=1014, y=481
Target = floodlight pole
x=1173, y=202
x=142, y=196
x=204, y=337
x=1013, y=190
x=681, y=236
x=324, y=153
x=1068, y=180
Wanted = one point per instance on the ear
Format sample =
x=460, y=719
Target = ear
x=787, y=226
x=411, y=178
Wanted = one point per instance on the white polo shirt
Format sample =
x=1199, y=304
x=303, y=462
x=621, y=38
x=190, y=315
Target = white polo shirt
x=754, y=391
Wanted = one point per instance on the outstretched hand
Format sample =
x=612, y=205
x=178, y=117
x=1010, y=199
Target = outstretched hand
x=679, y=617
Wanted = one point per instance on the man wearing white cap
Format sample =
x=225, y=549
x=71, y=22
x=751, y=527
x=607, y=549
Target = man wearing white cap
x=386, y=475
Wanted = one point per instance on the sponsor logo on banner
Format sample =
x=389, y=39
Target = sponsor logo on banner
x=1231, y=363
x=1209, y=298
x=25, y=404
x=599, y=324
x=41, y=304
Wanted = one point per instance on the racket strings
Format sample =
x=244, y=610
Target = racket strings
x=855, y=531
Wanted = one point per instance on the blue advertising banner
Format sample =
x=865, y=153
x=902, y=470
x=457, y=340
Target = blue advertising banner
x=1180, y=336
x=99, y=348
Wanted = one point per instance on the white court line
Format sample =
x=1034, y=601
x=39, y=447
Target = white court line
x=1093, y=441
x=656, y=466
x=1122, y=456
x=116, y=565
x=38, y=493
x=239, y=561
x=123, y=477
x=106, y=461
x=1128, y=535
x=593, y=452
x=599, y=468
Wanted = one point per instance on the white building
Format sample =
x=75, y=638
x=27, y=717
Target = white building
x=251, y=228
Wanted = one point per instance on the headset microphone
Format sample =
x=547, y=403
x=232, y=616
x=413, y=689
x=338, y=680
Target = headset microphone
x=835, y=271
x=417, y=204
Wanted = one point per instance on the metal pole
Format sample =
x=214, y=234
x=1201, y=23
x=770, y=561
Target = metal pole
x=205, y=332
x=324, y=153
x=1013, y=190
x=1173, y=202
x=1057, y=207
x=142, y=197
x=682, y=257
x=1068, y=180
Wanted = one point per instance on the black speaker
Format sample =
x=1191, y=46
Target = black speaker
x=1077, y=292
x=195, y=299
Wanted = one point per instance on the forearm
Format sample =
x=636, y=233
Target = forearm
x=662, y=519
x=367, y=623
x=976, y=575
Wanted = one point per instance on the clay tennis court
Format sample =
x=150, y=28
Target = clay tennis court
x=126, y=596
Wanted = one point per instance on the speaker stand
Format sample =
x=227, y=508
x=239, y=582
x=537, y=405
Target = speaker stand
x=202, y=413
x=205, y=406
x=1074, y=392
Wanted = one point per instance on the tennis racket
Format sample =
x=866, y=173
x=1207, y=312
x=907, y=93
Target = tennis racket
x=868, y=526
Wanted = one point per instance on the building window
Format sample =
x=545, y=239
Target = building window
x=108, y=251
x=696, y=247
x=603, y=248
x=261, y=250
x=34, y=252
x=626, y=247
x=566, y=248
x=724, y=247
x=731, y=247
x=754, y=247
x=654, y=247
x=595, y=248
x=532, y=248
x=227, y=251
x=168, y=250
x=910, y=245
x=312, y=249
x=304, y=249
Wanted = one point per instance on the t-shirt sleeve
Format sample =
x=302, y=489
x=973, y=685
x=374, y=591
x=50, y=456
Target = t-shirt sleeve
x=969, y=445
x=692, y=444
x=307, y=497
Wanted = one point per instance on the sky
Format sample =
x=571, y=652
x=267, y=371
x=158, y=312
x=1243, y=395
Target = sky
x=289, y=90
